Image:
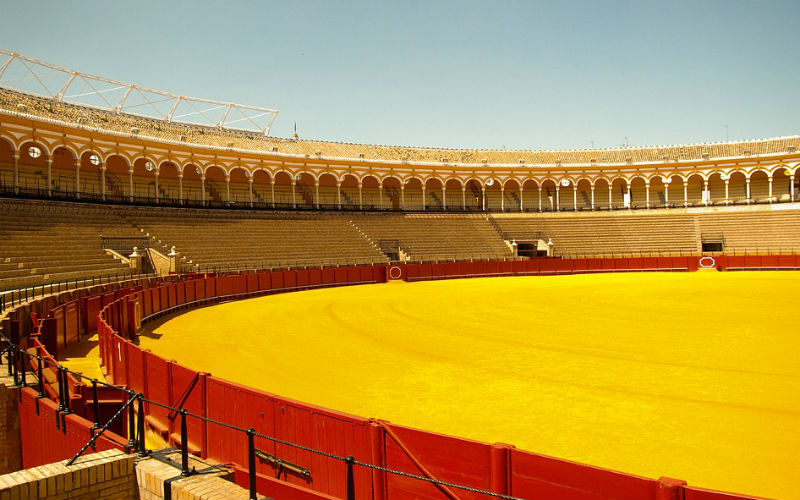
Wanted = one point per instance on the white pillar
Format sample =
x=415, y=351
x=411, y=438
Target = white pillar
x=444, y=197
x=339, y=195
x=424, y=201
x=483, y=197
x=502, y=198
x=272, y=192
x=316, y=193
x=15, y=157
x=610, y=196
x=49, y=176
x=540, y=198
x=203, y=189
x=78, y=179
x=294, y=200
x=250, y=190
x=380, y=196
x=685, y=193
x=647, y=194
x=463, y=197
x=704, y=187
x=360, y=197
x=402, y=196
x=726, y=190
x=558, y=198
x=769, y=181
x=791, y=186
x=747, y=189
x=592, y=188
x=180, y=187
x=102, y=182
x=156, y=174
x=227, y=189
x=521, y=197
x=574, y=198
x=130, y=183
x=666, y=194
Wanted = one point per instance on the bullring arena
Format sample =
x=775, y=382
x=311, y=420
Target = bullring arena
x=206, y=311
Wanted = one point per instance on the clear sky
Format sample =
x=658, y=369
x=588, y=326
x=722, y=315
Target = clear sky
x=529, y=75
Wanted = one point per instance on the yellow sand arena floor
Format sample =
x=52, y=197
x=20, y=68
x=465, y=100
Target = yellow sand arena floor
x=687, y=375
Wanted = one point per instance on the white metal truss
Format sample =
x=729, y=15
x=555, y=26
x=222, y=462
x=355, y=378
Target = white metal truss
x=25, y=74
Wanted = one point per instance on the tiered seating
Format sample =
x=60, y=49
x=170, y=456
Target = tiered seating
x=42, y=242
x=755, y=231
x=253, y=239
x=436, y=237
x=605, y=235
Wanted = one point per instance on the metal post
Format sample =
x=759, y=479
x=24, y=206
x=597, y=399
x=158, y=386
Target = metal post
x=24, y=371
x=251, y=462
x=184, y=445
x=351, y=483
x=131, y=445
x=95, y=405
x=12, y=357
x=140, y=430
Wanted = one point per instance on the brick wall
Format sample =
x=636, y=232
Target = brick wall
x=105, y=475
x=10, y=451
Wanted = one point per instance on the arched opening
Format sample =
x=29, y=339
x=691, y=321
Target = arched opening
x=328, y=192
x=305, y=190
x=584, y=197
x=6, y=165
x=473, y=195
x=638, y=193
x=391, y=190
x=370, y=193
x=716, y=189
x=548, y=195
x=412, y=194
x=215, y=185
x=567, y=196
x=601, y=194
x=759, y=187
x=117, y=180
x=694, y=190
x=657, y=198
x=192, y=184
x=781, y=187
x=144, y=181
x=282, y=190
x=511, y=196
x=493, y=195
x=168, y=185
x=89, y=176
x=434, y=197
x=737, y=188
x=530, y=196
x=454, y=195
x=32, y=168
x=673, y=191
x=240, y=186
x=619, y=194
x=350, y=192
x=262, y=190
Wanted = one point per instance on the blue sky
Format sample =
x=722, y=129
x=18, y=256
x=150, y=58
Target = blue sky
x=523, y=75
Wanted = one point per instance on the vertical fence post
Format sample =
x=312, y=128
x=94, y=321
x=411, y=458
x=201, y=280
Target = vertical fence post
x=131, y=445
x=23, y=369
x=351, y=483
x=184, y=445
x=140, y=429
x=95, y=405
x=251, y=462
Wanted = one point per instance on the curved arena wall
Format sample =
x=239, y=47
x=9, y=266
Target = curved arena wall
x=498, y=468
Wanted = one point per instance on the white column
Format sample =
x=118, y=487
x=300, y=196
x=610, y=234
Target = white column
x=316, y=193
x=380, y=196
x=502, y=198
x=444, y=197
x=707, y=195
x=102, y=182
x=592, y=188
x=339, y=194
x=769, y=181
x=250, y=190
x=78, y=179
x=521, y=197
x=540, y=198
x=610, y=196
x=666, y=194
x=130, y=183
x=50, y=176
x=424, y=204
x=647, y=194
x=402, y=196
x=483, y=197
x=791, y=186
x=180, y=187
x=156, y=174
x=463, y=197
x=726, y=190
x=630, y=197
x=15, y=157
x=294, y=201
x=685, y=193
x=558, y=198
x=203, y=189
x=574, y=198
x=360, y=197
x=747, y=189
x=227, y=189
